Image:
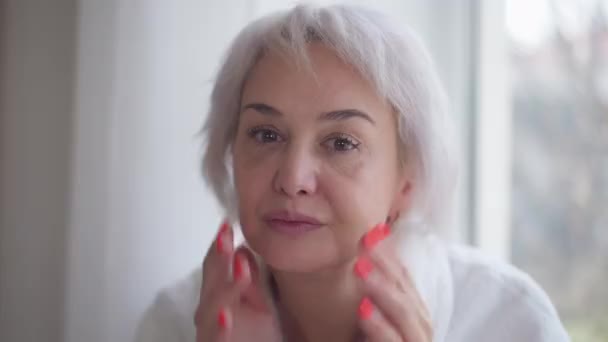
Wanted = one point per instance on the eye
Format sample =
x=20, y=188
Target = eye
x=264, y=135
x=341, y=143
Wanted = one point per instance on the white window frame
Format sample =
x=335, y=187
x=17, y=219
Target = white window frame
x=492, y=134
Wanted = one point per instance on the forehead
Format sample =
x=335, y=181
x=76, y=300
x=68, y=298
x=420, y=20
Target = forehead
x=331, y=84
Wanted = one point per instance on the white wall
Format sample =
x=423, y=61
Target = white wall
x=142, y=215
x=111, y=143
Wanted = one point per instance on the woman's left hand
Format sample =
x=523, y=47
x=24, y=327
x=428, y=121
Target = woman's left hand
x=391, y=309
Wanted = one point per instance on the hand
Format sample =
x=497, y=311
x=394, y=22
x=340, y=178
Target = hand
x=234, y=305
x=391, y=309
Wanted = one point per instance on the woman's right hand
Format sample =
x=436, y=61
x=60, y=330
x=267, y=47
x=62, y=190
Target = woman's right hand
x=234, y=303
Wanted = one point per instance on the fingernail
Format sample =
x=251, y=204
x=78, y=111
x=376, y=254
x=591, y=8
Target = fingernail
x=222, y=322
x=377, y=234
x=219, y=243
x=224, y=227
x=363, y=267
x=366, y=308
x=220, y=236
x=237, y=268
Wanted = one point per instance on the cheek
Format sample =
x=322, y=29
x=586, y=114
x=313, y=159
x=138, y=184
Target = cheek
x=252, y=178
x=349, y=167
x=253, y=173
x=358, y=191
x=358, y=204
x=251, y=165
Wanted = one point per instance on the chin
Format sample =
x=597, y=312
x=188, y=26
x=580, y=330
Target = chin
x=308, y=252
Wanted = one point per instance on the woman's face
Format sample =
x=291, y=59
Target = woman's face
x=315, y=162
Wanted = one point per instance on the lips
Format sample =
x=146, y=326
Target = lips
x=291, y=223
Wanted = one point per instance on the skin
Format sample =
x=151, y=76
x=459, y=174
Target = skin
x=344, y=170
x=349, y=191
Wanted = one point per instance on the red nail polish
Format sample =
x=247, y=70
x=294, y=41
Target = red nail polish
x=237, y=268
x=224, y=227
x=221, y=319
x=377, y=234
x=366, y=308
x=219, y=244
x=363, y=267
x=219, y=241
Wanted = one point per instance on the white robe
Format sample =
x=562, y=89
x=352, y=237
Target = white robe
x=470, y=297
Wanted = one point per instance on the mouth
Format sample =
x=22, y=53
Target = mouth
x=291, y=223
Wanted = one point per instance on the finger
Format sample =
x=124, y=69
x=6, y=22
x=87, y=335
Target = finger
x=400, y=307
x=225, y=324
x=257, y=295
x=385, y=256
x=379, y=246
x=391, y=265
x=216, y=266
x=240, y=279
x=221, y=300
x=375, y=235
x=250, y=261
x=222, y=328
x=374, y=325
x=224, y=241
x=376, y=284
x=377, y=242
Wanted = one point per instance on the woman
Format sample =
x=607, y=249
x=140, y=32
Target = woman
x=328, y=144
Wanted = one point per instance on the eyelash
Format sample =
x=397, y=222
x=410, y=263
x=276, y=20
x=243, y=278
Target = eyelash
x=345, y=139
x=257, y=133
x=266, y=135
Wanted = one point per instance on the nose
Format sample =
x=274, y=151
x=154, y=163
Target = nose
x=296, y=174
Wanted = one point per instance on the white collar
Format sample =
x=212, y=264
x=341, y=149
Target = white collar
x=425, y=257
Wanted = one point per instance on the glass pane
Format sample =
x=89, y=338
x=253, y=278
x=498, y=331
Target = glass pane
x=559, y=67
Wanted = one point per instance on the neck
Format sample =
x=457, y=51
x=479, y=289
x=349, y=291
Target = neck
x=319, y=306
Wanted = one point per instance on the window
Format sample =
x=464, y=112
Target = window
x=558, y=65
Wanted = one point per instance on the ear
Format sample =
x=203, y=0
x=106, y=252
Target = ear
x=402, y=199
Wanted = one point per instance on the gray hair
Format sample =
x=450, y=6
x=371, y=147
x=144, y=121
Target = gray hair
x=389, y=55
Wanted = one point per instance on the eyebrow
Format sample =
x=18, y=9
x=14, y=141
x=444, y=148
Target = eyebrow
x=337, y=115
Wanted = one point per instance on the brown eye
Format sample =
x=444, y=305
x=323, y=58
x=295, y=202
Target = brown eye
x=264, y=135
x=341, y=143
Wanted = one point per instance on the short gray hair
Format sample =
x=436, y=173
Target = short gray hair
x=389, y=55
